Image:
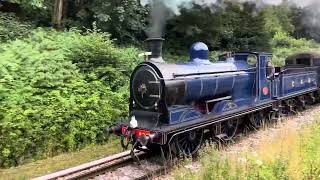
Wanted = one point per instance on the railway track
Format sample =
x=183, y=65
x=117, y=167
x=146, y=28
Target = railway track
x=116, y=166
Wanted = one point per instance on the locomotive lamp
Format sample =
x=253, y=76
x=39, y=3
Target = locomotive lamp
x=133, y=122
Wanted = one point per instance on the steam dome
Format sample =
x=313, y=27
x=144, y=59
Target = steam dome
x=199, y=53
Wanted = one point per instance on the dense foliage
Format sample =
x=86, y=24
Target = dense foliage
x=232, y=28
x=28, y=3
x=12, y=28
x=59, y=91
x=124, y=19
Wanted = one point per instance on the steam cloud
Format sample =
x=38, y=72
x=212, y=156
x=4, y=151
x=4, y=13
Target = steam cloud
x=162, y=10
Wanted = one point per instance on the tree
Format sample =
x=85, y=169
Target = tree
x=278, y=19
x=189, y=27
x=124, y=19
x=59, y=12
x=232, y=28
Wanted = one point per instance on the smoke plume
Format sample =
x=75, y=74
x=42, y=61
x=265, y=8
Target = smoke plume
x=162, y=10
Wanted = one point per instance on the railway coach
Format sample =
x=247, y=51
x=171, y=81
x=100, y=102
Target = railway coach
x=172, y=106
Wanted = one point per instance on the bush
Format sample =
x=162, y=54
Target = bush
x=58, y=91
x=12, y=28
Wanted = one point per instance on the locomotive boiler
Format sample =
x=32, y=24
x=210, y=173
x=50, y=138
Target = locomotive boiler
x=165, y=89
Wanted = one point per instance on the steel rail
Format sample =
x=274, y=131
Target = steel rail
x=91, y=167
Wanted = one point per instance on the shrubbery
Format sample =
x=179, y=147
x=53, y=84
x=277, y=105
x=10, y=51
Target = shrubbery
x=59, y=91
x=12, y=28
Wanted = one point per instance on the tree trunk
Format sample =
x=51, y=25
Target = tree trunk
x=58, y=14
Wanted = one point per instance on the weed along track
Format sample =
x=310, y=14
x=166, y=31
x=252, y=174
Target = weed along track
x=148, y=165
x=284, y=146
x=287, y=125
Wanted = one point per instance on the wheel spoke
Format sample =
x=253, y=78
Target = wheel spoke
x=189, y=143
x=184, y=143
x=182, y=139
x=229, y=128
x=192, y=146
x=257, y=120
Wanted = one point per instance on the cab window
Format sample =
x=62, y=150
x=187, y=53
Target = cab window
x=252, y=60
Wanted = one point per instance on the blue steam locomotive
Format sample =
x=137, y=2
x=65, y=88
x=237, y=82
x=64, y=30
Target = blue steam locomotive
x=173, y=106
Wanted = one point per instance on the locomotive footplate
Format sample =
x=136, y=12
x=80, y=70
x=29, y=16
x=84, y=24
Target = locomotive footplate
x=210, y=119
x=164, y=134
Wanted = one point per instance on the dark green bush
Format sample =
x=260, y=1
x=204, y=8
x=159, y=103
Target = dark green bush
x=58, y=92
x=12, y=28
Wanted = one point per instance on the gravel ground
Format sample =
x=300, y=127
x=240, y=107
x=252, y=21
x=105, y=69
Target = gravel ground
x=132, y=171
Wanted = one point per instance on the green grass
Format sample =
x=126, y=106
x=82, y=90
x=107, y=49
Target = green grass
x=42, y=167
x=290, y=154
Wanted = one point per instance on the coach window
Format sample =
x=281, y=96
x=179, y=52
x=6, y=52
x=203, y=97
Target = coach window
x=316, y=62
x=290, y=62
x=304, y=61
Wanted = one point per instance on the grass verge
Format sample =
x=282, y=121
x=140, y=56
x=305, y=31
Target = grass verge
x=290, y=154
x=42, y=167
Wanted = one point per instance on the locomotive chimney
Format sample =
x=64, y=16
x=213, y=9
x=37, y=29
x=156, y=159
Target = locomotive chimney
x=154, y=46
